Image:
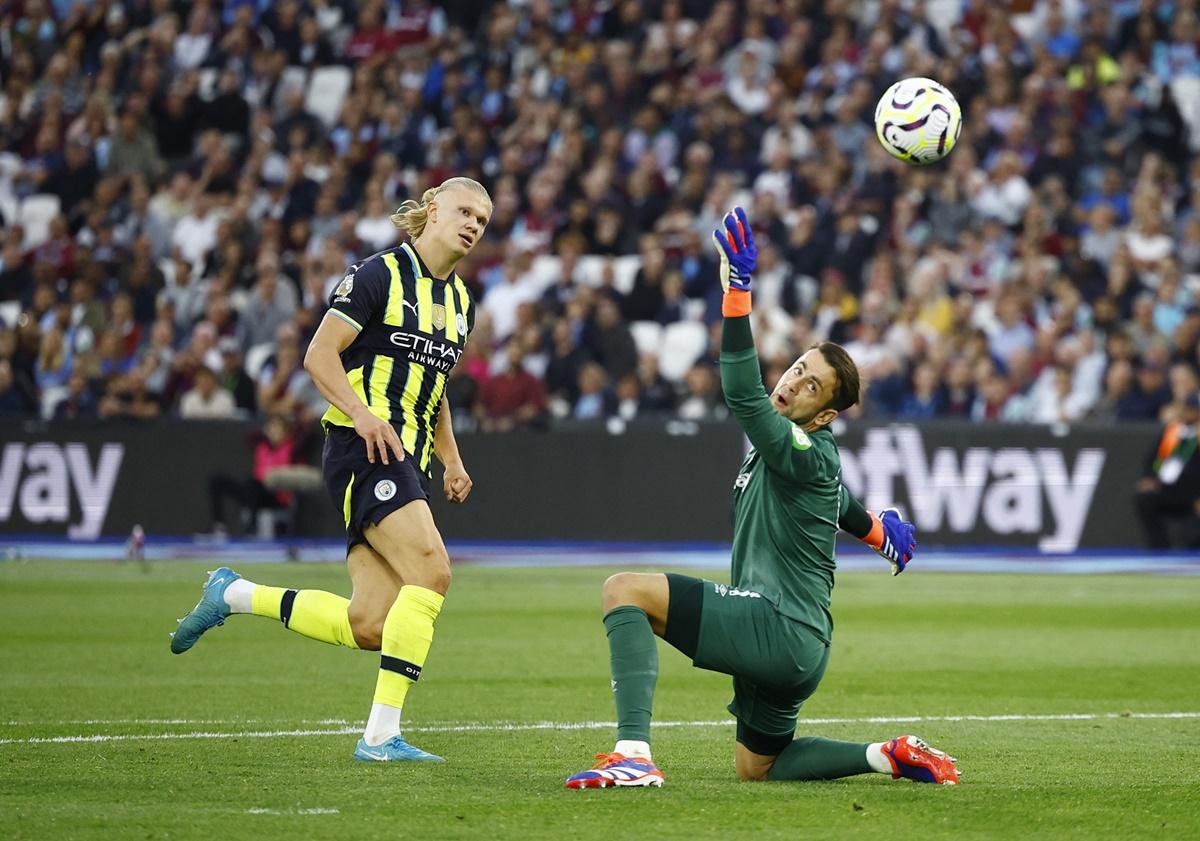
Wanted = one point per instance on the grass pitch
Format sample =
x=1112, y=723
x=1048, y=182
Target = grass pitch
x=519, y=675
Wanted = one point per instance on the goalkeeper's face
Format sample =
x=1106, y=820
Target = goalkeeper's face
x=805, y=390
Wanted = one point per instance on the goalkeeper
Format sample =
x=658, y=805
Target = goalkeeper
x=771, y=628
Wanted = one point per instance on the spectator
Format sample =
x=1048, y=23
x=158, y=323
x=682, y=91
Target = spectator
x=78, y=404
x=14, y=400
x=1118, y=382
x=656, y=394
x=196, y=232
x=627, y=398
x=702, y=400
x=1183, y=383
x=566, y=360
x=501, y=300
x=1012, y=332
x=275, y=380
x=233, y=377
x=924, y=401
x=128, y=397
x=596, y=400
x=462, y=392
x=206, y=400
x=272, y=303
x=1148, y=395
x=645, y=300
x=512, y=399
x=610, y=340
x=134, y=150
x=625, y=142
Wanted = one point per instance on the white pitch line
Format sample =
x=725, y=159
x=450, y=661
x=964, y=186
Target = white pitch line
x=225, y=721
x=502, y=727
x=316, y=810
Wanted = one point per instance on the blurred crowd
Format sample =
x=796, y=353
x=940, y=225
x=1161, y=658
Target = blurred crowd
x=183, y=184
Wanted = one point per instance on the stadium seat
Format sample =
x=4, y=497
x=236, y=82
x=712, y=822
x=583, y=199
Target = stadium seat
x=544, y=272
x=648, y=335
x=35, y=215
x=683, y=343
x=10, y=311
x=206, y=83
x=693, y=309
x=292, y=78
x=51, y=397
x=327, y=90
x=591, y=269
x=9, y=207
x=1186, y=91
x=625, y=271
x=257, y=357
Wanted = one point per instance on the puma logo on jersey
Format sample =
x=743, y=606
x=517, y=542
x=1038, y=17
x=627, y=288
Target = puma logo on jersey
x=411, y=306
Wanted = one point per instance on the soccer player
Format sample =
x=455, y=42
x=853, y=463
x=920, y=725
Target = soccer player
x=396, y=325
x=771, y=628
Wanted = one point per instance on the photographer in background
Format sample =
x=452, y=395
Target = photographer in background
x=1170, y=490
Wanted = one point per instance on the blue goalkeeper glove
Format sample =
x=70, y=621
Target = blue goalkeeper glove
x=738, y=253
x=893, y=538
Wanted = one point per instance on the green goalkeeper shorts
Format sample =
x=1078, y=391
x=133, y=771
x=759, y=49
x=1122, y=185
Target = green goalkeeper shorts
x=776, y=662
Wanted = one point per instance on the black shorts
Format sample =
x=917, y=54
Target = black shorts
x=365, y=493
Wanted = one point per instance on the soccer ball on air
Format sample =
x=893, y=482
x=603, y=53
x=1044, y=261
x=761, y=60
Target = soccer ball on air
x=918, y=120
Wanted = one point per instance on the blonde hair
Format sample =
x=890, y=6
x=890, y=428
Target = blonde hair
x=412, y=215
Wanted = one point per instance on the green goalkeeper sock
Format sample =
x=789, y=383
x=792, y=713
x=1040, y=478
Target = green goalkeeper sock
x=814, y=758
x=634, y=670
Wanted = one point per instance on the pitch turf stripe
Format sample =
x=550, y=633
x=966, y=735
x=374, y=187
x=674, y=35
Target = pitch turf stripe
x=501, y=727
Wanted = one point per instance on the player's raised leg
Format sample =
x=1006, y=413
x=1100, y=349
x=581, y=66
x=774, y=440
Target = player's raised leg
x=410, y=543
x=635, y=610
x=316, y=614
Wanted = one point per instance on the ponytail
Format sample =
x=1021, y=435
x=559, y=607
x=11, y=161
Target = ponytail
x=412, y=215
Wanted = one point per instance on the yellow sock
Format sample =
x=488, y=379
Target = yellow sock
x=407, y=635
x=266, y=601
x=313, y=613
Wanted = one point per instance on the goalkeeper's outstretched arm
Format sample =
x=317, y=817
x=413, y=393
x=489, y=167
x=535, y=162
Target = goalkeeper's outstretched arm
x=782, y=444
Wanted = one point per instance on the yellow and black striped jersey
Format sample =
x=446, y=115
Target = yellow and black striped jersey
x=412, y=329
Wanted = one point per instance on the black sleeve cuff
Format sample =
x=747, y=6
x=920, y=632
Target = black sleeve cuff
x=736, y=335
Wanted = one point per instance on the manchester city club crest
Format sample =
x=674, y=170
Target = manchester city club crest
x=461, y=321
x=439, y=316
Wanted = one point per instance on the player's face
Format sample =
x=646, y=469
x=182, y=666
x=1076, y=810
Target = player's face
x=458, y=217
x=805, y=389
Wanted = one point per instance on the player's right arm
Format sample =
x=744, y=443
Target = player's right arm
x=339, y=328
x=783, y=446
x=887, y=533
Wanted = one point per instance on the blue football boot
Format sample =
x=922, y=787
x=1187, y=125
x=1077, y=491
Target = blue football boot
x=209, y=612
x=394, y=749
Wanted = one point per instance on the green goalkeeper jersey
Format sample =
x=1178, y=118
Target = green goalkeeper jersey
x=786, y=501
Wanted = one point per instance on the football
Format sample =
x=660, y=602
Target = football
x=918, y=120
